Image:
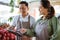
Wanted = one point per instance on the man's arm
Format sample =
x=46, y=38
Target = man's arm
x=11, y=28
x=13, y=23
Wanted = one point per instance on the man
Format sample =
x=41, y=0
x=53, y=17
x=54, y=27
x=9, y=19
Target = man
x=23, y=22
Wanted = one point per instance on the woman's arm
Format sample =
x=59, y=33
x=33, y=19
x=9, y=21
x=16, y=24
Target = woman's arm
x=55, y=25
x=31, y=32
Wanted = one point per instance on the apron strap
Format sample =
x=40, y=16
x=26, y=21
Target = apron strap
x=29, y=21
x=18, y=21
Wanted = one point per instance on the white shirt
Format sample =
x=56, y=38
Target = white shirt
x=25, y=19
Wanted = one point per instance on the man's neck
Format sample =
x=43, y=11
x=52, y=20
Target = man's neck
x=24, y=15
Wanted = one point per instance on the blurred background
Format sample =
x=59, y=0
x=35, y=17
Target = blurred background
x=9, y=9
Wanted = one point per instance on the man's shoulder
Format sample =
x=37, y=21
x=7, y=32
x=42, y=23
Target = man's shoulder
x=31, y=17
x=16, y=16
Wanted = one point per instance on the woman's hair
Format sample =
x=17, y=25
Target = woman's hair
x=51, y=11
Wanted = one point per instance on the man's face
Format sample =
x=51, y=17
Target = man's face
x=23, y=8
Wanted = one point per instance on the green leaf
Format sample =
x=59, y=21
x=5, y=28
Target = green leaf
x=18, y=1
x=10, y=19
x=12, y=5
x=12, y=9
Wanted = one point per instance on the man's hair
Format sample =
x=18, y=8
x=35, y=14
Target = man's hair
x=24, y=2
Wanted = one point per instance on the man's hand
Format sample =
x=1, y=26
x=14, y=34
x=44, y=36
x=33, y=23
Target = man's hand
x=23, y=30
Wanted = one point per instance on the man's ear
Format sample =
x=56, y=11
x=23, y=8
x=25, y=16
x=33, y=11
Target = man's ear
x=28, y=8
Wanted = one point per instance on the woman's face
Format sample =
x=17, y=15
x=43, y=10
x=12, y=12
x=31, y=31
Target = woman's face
x=42, y=10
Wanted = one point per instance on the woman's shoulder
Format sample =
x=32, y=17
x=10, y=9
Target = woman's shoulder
x=54, y=18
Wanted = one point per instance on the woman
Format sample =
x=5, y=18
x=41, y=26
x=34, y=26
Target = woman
x=47, y=25
x=45, y=28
